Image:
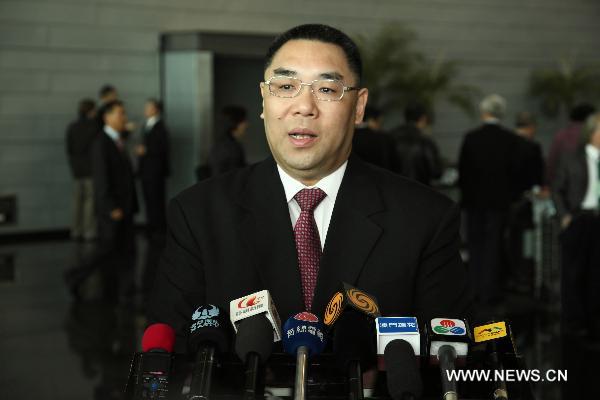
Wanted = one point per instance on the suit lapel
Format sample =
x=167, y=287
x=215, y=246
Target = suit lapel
x=267, y=229
x=352, y=234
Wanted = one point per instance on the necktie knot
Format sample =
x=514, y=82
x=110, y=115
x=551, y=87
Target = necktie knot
x=309, y=199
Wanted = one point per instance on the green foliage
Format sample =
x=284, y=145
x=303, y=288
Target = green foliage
x=396, y=74
x=559, y=89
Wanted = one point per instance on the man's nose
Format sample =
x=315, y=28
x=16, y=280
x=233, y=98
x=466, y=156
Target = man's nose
x=305, y=103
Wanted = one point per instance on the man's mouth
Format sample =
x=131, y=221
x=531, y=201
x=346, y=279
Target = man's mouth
x=302, y=137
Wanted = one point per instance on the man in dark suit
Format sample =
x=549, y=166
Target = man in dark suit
x=488, y=167
x=80, y=136
x=371, y=144
x=153, y=167
x=312, y=215
x=115, y=204
x=416, y=154
x=576, y=194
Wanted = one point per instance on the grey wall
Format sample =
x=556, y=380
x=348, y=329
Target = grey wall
x=54, y=52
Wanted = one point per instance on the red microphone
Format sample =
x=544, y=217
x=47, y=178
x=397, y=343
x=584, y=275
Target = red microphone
x=158, y=337
x=149, y=375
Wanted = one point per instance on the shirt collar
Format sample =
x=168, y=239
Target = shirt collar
x=150, y=122
x=592, y=152
x=329, y=184
x=114, y=135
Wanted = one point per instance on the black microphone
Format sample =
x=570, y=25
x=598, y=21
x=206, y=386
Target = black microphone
x=499, y=340
x=150, y=370
x=354, y=346
x=253, y=344
x=210, y=333
x=354, y=302
x=403, y=377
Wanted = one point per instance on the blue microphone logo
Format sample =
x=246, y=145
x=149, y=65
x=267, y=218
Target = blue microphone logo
x=303, y=329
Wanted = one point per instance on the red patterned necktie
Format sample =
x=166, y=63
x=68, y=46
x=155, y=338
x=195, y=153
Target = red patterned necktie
x=308, y=244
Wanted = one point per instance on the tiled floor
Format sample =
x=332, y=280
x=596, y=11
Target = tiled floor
x=53, y=349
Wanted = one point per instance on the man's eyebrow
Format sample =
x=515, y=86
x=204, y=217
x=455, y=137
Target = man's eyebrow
x=332, y=75
x=284, y=72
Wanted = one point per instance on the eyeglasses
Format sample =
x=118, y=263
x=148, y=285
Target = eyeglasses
x=322, y=89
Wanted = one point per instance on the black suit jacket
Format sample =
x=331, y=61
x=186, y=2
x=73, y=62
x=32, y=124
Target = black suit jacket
x=112, y=173
x=231, y=235
x=80, y=137
x=532, y=165
x=155, y=163
x=417, y=156
x=570, y=183
x=489, y=165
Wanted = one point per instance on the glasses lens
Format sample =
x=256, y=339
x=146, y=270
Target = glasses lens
x=328, y=90
x=283, y=86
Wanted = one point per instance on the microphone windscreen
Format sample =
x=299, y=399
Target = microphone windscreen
x=158, y=337
x=353, y=339
x=403, y=376
x=255, y=335
x=210, y=326
x=303, y=329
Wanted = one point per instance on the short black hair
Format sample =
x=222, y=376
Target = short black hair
x=85, y=106
x=108, y=107
x=414, y=111
x=106, y=89
x=581, y=112
x=321, y=33
x=157, y=104
x=525, y=119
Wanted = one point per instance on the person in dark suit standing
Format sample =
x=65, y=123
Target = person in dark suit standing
x=115, y=205
x=153, y=167
x=488, y=166
x=79, y=138
x=228, y=153
x=371, y=144
x=312, y=215
x=417, y=156
x=576, y=194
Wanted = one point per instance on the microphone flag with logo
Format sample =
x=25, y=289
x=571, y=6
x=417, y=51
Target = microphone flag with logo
x=256, y=304
x=349, y=296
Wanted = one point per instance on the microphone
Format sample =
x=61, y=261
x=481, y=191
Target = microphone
x=354, y=346
x=303, y=337
x=350, y=314
x=448, y=343
x=209, y=334
x=256, y=304
x=499, y=339
x=399, y=341
x=403, y=377
x=253, y=344
x=153, y=365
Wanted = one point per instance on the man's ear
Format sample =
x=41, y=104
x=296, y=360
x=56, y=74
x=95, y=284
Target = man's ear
x=361, y=103
x=262, y=94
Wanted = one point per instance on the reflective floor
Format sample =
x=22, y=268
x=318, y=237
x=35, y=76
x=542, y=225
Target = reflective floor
x=54, y=348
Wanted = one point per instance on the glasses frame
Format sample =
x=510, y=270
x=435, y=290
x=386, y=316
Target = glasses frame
x=345, y=88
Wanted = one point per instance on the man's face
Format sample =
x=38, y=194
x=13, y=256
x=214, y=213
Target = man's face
x=150, y=110
x=310, y=138
x=116, y=118
x=595, y=138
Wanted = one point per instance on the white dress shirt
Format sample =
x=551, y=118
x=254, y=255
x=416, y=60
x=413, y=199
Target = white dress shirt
x=590, y=201
x=114, y=135
x=150, y=122
x=330, y=185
